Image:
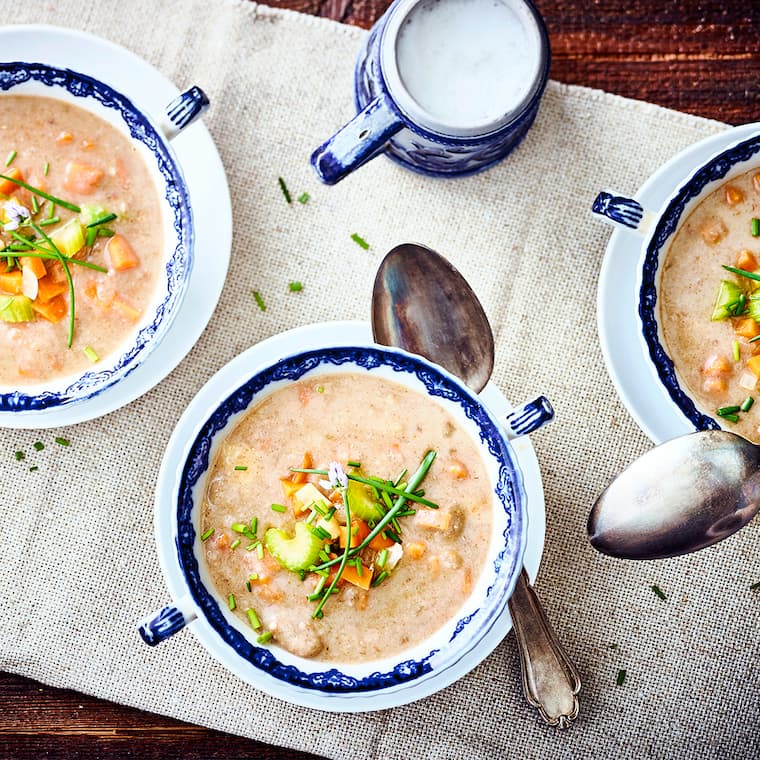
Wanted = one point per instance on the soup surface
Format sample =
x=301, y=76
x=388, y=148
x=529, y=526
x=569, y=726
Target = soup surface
x=65, y=152
x=259, y=519
x=709, y=315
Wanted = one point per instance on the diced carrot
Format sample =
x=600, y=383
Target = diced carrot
x=36, y=265
x=746, y=327
x=120, y=253
x=351, y=574
x=359, y=531
x=713, y=232
x=81, y=178
x=48, y=289
x=125, y=309
x=756, y=182
x=415, y=549
x=733, y=195
x=716, y=365
x=380, y=542
x=6, y=186
x=714, y=384
x=53, y=310
x=289, y=487
x=88, y=144
x=91, y=290
x=306, y=464
x=223, y=541
x=458, y=470
x=270, y=594
x=466, y=581
x=11, y=282
x=746, y=260
x=753, y=365
x=64, y=137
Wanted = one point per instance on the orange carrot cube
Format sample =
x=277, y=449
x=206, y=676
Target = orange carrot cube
x=746, y=260
x=11, y=282
x=81, y=178
x=53, y=310
x=6, y=186
x=753, y=365
x=733, y=195
x=120, y=254
x=36, y=265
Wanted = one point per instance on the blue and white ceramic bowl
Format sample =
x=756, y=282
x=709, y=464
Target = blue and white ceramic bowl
x=425, y=667
x=150, y=134
x=657, y=229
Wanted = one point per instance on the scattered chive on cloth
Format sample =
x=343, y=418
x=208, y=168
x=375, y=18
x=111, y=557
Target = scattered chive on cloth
x=674, y=676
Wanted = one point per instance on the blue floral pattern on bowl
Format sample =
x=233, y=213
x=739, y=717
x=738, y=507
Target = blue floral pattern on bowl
x=713, y=171
x=178, y=265
x=509, y=495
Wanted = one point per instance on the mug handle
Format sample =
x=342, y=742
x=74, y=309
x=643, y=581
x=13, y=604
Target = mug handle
x=183, y=111
x=356, y=142
x=621, y=211
x=528, y=417
x=167, y=621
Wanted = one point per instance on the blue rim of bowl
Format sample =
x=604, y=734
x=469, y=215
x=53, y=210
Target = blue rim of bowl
x=178, y=266
x=716, y=169
x=509, y=492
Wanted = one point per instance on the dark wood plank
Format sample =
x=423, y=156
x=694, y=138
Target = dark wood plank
x=698, y=56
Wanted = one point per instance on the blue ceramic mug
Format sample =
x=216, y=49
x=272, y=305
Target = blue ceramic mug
x=443, y=87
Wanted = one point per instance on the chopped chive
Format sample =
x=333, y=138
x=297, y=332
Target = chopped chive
x=741, y=272
x=295, y=286
x=746, y=405
x=231, y=601
x=51, y=210
x=70, y=206
x=239, y=527
x=320, y=585
x=33, y=468
x=304, y=198
x=613, y=646
x=360, y=241
x=324, y=556
x=737, y=355
x=205, y=536
x=38, y=445
x=248, y=586
x=105, y=232
x=755, y=586
x=11, y=156
x=48, y=222
x=241, y=467
x=330, y=513
x=279, y=508
x=380, y=578
x=382, y=558
x=46, y=168
x=321, y=388
x=250, y=547
x=754, y=227
x=89, y=240
x=312, y=516
x=91, y=354
x=20, y=456
x=254, y=525
x=62, y=441
x=253, y=577
x=253, y=618
x=320, y=532
x=359, y=568
x=235, y=544
x=658, y=591
x=620, y=680
x=102, y=220
x=354, y=464
x=35, y=205
x=285, y=190
x=260, y=550
x=754, y=340
x=728, y=410
x=314, y=597
x=265, y=637
x=259, y=300
x=730, y=417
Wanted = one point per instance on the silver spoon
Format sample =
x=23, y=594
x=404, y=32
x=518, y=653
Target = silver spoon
x=683, y=495
x=422, y=304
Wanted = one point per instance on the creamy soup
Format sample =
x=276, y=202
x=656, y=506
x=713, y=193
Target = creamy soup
x=265, y=529
x=710, y=316
x=71, y=160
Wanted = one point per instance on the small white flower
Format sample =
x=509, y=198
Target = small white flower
x=15, y=213
x=337, y=476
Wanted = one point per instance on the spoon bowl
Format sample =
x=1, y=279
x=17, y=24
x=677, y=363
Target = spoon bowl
x=681, y=496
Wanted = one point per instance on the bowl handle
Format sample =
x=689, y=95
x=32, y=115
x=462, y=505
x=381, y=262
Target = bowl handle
x=622, y=212
x=183, y=111
x=529, y=417
x=157, y=626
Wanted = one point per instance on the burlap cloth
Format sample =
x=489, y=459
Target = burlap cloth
x=78, y=564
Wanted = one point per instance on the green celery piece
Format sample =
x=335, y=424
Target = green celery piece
x=16, y=309
x=362, y=502
x=69, y=238
x=753, y=307
x=728, y=296
x=297, y=553
x=90, y=212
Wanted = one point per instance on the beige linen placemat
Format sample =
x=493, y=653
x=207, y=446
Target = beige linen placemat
x=78, y=565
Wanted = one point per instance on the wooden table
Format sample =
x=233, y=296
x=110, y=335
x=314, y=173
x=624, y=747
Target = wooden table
x=699, y=56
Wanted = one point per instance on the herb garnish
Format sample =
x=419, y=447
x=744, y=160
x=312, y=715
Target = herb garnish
x=43, y=194
x=620, y=680
x=62, y=441
x=362, y=243
x=295, y=287
x=11, y=156
x=742, y=272
x=304, y=198
x=658, y=591
x=259, y=300
x=755, y=586
x=285, y=190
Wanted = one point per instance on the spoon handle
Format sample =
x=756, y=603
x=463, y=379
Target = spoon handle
x=550, y=680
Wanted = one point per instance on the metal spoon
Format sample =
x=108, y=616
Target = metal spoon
x=682, y=495
x=422, y=304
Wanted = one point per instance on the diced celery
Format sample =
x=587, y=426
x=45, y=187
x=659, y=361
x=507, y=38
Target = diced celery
x=753, y=307
x=90, y=212
x=297, y=553
x=16, y=309
x=728, y=297
x=69, y=238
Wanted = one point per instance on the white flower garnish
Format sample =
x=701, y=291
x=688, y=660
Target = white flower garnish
x=16, y=213
x=337, y=476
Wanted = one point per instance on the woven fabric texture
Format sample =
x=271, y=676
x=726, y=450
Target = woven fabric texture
x=79, y=567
